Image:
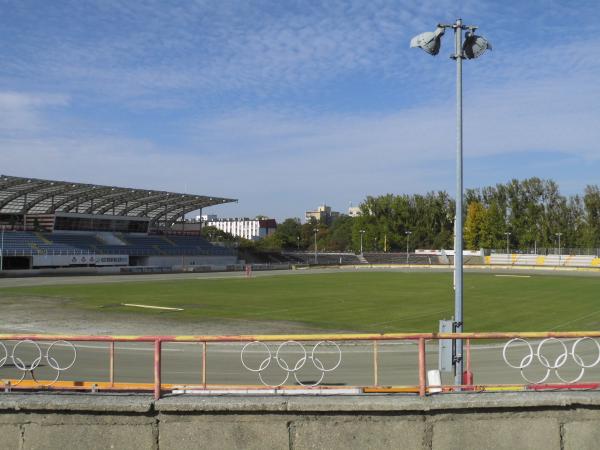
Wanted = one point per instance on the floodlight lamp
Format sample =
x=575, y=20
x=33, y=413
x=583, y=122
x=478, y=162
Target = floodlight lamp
x=475, y=46
x=430, y=41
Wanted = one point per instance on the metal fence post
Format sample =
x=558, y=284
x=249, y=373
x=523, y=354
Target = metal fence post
x=375, y=363
x=204, y=365
x=111, y=373
x=157, y=368
x=422, y=368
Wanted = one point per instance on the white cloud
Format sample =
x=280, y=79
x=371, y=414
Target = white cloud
x=22, y=112
x=282, y=162
x=201, y=48
x=278, y=147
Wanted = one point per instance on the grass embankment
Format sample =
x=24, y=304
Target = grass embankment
x=363, y=301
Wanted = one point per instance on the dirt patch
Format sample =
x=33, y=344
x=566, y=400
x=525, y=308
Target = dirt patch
x=55, y=316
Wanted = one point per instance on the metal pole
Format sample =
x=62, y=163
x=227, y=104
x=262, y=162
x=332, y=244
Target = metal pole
x=316, y=230
x=422, y=368
x=458, y=244
x=362, y=232
x=112, y=363
x=157, y=368
x=407, y=237
x=559, y=249
x=469, y=377
x=375, y=364
x=204, y=365
x=2, y=251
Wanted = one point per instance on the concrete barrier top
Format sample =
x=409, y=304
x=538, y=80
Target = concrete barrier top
x=138, y=403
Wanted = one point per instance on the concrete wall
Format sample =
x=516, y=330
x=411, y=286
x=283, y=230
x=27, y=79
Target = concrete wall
x=491, y=421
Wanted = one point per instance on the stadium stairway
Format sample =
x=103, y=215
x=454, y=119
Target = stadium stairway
x=108, y=238
x=159, y=250
x=43, y=238
x=122, y=238
x=169, y=241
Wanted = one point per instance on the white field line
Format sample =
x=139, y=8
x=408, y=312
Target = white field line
x=512, y=276
x=166, y=308
x=410, y=317
x=578, y=318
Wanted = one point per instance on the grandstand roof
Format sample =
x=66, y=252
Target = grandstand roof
x=33, y=196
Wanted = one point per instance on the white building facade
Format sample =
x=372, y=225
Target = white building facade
x=251, y=229
x=354, y=211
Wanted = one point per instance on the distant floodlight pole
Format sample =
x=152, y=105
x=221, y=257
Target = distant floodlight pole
x=507, y=233
x=559, y=249
x=316, y=230
x=408, y=233
x=472, y=47
x=2, y=251
x=362, y=232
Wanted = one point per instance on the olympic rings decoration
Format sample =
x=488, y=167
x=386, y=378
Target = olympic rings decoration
x=29, y=366
x=287, y=366
x=549, y=364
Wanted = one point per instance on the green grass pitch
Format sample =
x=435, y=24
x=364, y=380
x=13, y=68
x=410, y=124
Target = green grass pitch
x=361, y=301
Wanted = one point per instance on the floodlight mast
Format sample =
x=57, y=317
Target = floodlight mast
x=475, y=46
x=458, y=238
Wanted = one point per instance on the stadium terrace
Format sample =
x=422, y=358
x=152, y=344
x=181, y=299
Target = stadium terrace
x=49, y=223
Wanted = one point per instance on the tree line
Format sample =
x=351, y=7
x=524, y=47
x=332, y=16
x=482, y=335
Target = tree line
x=530, y=212
x=534, y=212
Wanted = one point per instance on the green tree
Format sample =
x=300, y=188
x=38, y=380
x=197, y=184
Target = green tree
x=591, y=202
x=475, y=225
x=339, y=235
x=493, y=228
x=271, y=243
x=288, y=232
x=387, y=219
x=213, y=234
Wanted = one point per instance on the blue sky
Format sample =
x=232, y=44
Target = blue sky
x=289, y=104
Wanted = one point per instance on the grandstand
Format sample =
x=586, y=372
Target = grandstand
x=518, y=259
x=401, y=258
x=372, y=258
x=49, y=223
x=329, y=258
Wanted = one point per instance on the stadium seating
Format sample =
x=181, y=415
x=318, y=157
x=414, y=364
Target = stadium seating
x=322, y=258
x=21, y=243
x=517, y=259
x=400, y=258
x=32, y=243
x=81, y=242
x=578, y=260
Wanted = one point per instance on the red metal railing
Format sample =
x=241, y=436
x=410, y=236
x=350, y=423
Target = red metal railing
x=420, y=339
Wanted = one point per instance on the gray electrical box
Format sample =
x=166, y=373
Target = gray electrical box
x=445, y=351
